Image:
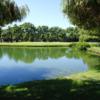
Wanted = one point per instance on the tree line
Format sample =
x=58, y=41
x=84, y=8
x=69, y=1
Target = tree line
x=29, y=32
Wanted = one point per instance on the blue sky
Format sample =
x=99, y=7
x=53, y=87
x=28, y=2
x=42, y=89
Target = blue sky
x=45, y=12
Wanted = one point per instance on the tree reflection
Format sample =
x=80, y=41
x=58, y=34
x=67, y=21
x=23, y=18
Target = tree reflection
x=29, y=55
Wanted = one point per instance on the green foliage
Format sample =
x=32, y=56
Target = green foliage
x=83, y=13
x=72, y=33
x=10, y=12
x=29, y=32
x=86, y=15
x=89, y=38
x=82, y=46
x=89, y=35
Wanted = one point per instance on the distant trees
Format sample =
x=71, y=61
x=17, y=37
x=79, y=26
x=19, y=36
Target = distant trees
x=73, y=34
x=28, y=32
x=89, y=35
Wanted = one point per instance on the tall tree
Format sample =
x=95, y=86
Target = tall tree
x=86, y=15
x=83, y=13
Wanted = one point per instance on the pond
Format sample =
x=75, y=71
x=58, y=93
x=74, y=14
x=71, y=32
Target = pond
x=38, y=63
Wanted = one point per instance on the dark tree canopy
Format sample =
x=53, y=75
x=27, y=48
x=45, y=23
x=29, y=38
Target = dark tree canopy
x=9, y=12
x=83, y=13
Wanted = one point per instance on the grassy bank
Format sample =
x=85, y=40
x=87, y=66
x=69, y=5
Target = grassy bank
x=85, y=86
x=36, y=44
x=95, y=50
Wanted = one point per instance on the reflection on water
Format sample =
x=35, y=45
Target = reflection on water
x=26, y=64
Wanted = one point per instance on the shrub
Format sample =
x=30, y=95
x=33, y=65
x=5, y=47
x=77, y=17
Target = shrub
x=72, y=45
x=82, y=46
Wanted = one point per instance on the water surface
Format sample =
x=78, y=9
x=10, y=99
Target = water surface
x=38, y=63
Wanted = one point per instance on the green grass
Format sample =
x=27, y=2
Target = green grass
x=83, y=86
x=36, y=44
x=89, y=75
x=94, y=50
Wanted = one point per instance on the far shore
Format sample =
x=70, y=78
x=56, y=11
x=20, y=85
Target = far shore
x=93, y=49
x=40, y=44
x=35, y=44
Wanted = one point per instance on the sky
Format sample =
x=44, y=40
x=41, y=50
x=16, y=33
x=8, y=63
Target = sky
x=45, y=12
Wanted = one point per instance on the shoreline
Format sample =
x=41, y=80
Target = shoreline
x=94, y=50
x=71, y=87
x=36, y=44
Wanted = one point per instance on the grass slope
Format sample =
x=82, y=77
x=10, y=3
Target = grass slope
x=85, y=86
x=95, y=50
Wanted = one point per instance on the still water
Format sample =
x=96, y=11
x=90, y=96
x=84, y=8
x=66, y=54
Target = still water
x=37, y=63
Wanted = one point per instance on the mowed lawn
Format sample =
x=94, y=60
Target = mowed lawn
x=36, y=44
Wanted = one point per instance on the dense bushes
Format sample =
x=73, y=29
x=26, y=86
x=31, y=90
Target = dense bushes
x=82, y=46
